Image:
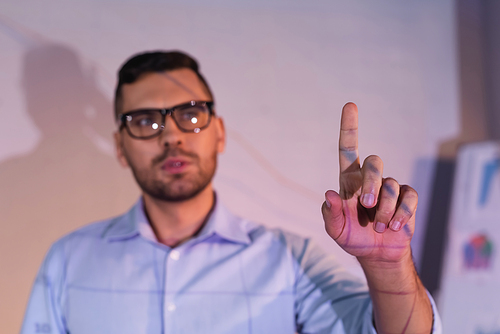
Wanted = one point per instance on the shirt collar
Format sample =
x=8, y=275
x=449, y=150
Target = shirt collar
x=125, y=226
x=221, y=223
x=225, y=225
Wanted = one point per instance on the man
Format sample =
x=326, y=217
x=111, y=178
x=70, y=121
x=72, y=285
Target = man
x=179, y=262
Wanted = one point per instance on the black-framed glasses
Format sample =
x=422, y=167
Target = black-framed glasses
x=193, y=116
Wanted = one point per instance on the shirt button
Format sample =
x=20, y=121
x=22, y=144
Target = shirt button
x=174, y=255
x=171, y=307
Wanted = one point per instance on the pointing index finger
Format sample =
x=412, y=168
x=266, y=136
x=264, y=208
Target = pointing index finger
x=348, y=141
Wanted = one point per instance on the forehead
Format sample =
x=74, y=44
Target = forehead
x=163, y=90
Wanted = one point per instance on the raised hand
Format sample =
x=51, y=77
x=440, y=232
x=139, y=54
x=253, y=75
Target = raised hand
x=372, y=218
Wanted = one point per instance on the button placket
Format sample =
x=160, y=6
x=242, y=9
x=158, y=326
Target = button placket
x=170, y=305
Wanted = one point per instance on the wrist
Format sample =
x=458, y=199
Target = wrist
x=401, y=263
x=399, y=299
x=395, y=276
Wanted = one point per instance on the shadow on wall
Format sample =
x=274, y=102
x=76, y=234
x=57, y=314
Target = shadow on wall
x=71, y=179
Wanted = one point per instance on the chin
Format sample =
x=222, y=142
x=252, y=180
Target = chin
x=175, y=192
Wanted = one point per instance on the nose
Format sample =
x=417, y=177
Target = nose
x=171, y=135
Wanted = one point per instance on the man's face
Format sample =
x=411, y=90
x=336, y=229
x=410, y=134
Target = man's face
x=176, y=165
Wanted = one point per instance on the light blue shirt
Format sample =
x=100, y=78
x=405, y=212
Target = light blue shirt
x=235, y=276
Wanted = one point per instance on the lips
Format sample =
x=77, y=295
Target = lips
x=175, y=165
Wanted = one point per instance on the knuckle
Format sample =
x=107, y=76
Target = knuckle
x=344, y=148
x=392, y=180
x=407, y=189
x=374, y=159
x=405, y=209
x=410, y=197
x=371, y=168
x=389, y=190
x=389, y=198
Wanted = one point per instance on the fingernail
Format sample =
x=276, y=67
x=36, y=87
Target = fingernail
x=368, y=199
x=379, y=227
x=396, y=225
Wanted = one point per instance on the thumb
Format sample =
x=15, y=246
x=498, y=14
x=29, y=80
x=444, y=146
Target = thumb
x=333, y=214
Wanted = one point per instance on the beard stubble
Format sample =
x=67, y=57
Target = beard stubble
x=180, y=187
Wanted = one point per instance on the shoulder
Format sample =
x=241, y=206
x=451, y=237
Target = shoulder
x=90, y=236
x=299, y=247
x=260, y=236
x=284, y=237
x=93, y=231
x=303, y=251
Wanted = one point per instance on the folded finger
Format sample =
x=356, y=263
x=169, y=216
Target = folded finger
x=408, y=200
x=332, y=214
x=372, y=180
x=387, y=204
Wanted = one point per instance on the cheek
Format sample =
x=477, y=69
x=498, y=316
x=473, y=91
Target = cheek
x=138, y=154
x=208, y=146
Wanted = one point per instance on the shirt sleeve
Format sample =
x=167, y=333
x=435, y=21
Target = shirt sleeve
x=331, y=300
x=437, y=327
x=43, y=313
x=328, y=299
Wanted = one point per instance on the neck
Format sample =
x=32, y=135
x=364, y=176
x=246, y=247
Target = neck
x=176, y=222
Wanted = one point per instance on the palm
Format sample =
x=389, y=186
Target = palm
x=359, y=238
x=351, y=223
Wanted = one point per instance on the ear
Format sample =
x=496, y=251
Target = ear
x=221, y=134
x=120, y=154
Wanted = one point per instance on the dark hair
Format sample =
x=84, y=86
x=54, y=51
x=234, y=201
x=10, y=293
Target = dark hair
x=156, y=61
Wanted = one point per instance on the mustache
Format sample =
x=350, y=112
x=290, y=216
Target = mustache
x=174, y=152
